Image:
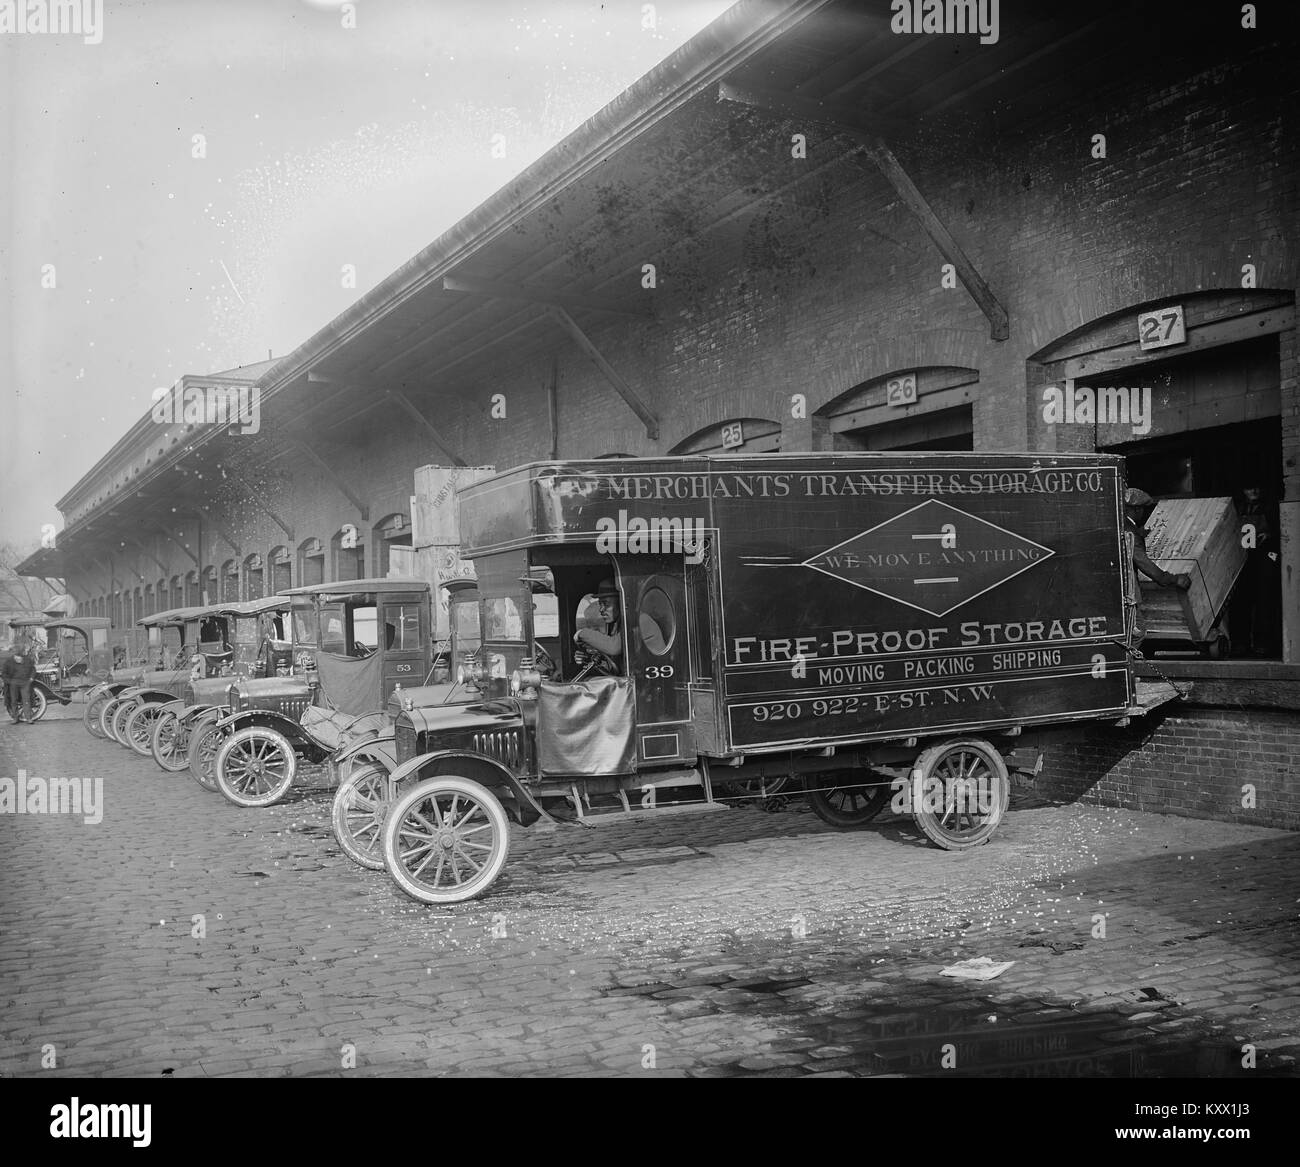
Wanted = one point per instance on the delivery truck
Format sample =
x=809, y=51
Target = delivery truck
x=875, y=628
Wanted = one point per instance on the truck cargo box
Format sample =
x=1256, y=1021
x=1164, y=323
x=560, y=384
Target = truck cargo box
x=856, y=597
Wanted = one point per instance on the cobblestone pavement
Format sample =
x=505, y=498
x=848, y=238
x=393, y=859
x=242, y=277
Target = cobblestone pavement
x=712, y=944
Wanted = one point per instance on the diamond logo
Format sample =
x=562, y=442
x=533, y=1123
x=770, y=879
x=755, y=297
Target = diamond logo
x=933, y=557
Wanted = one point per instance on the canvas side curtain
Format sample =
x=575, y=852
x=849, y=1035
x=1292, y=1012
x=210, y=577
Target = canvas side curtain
x=351, y=684
x=586, y=728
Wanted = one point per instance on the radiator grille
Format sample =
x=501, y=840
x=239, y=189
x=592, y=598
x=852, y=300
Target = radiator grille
x=405, y=742
x=504, y=745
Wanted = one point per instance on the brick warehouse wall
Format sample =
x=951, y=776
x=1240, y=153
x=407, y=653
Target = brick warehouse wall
x=833, y=283
x=1192, y=763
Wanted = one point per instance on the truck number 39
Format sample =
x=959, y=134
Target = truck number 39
x=654, y=671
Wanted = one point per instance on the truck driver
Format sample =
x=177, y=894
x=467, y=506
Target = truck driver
x=609, y=642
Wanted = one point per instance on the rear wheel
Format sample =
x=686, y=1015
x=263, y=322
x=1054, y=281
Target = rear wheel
x=139, y=727
x=360, y=806
x=205, y=741
x=169, y=742
x=38, y=705
x=848, y=805
x=445, y=840
x=94, y=709
x=255, y=767
x=964, y=793
x=117, y=729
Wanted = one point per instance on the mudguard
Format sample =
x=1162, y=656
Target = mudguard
x=379, y=745
x=476, y=767
x=152, y=696
x=267, y=717
x=50, y=694
x=190, y=712
x=111, y=687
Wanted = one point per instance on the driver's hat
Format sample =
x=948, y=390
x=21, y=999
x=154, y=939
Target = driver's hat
x=1133, y=497
x=606, y=587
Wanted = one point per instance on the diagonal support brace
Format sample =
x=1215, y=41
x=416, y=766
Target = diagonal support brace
x=624, y=390
x=878, y=155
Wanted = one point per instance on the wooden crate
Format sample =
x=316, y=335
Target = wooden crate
x=1200, y=537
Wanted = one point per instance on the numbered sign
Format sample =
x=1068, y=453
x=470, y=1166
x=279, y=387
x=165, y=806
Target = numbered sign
x=901, y=390
x=732, y=435
x=1161, y=328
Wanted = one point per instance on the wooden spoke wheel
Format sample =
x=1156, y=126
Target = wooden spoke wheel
x=117, y=727
x=847, y=805
x=38, y=704
x=94, y=709
x=360, y=807
x=139, y=727
x=201, y=756
x=255, y=767
x=445, y=840
x=169, y=742
x=964, y=793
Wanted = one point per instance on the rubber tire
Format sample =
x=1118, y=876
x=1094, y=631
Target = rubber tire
x=411, y=798
x=876, y=798
x=145, y=711
x=120, y=714
x=178, y=758
x=235, y=743
x=380, y=794
x=930, y=821
x=198, y=731
x=93, y=710
x=39, y=705
x=106, y=718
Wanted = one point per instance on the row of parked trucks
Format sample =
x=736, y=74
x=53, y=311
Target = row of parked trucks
x=869, y=628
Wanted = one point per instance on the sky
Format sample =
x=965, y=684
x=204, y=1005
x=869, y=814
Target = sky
x=183, y=196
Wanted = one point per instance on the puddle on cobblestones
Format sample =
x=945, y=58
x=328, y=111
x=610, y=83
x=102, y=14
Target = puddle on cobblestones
x=899, y=1020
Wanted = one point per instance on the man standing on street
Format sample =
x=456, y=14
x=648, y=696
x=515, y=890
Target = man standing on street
x=18, y=672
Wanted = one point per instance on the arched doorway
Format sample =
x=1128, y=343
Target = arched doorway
x=348, y=553
x=229, y=582
x=392, y=544
x=209, y=585
x=281, y=571
x=927, y=408
x=253, y=577
x=311, y=562
x=738, y=435
x=192, y=597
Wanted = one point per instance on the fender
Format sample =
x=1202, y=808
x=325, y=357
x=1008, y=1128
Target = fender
x=379, y=745
x=112, y=687
x=478, y=768
x=175, y=705
x=190, y=712
x=296, y=735
x=154, y=696
x=51, y=694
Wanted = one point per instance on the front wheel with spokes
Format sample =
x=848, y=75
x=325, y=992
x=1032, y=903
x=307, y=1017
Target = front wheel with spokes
x=94, y=708
x=205, y=740
x=445, y=840
x=169, y=742
x=117, y=728
x=139, y=727
x=255, y=767
x=360, y=806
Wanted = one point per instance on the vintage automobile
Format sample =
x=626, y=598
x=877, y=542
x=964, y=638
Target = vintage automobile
x=259, y=647
x=362, y=798
x=76, y=657
x=203, y=651
x=355, y=642
x=877, y=626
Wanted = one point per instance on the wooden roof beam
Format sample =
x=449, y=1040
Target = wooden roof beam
x=864, y=130
x=363, y=508
x=624, y=390
x=425, y=424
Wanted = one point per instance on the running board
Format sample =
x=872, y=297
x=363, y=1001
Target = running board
x=592, y=818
